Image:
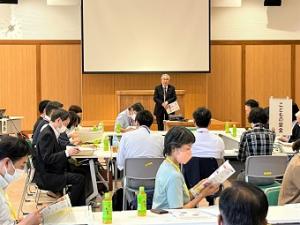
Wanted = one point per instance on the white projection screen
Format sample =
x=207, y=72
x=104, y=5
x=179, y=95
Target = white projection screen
x=145, y=36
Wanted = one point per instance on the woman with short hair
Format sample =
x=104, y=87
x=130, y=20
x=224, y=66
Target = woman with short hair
x=170, y=188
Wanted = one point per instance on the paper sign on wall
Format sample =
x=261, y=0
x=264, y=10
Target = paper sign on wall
x=280, y=115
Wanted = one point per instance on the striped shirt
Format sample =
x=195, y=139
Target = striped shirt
x=257, y=141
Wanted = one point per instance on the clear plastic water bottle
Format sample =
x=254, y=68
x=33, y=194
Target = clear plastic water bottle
x=115, y=144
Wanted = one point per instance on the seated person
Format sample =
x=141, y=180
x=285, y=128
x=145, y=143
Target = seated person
x=50, y=107
x=295, y=109
x=249, y=105
x=258, y=140
x=52, y=160
x=140, y=142
x=295, y=130
x=13, y=157
x=243, y=204
x=126, y=118
x=42, y=112
x=170, y=188
x=206, y=150
x=290, y=188
x=70, y=137
x=78, y=110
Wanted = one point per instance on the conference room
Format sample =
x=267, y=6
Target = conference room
x=149, y=112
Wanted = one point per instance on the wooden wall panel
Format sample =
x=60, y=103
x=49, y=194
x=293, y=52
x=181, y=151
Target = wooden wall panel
x=195, y=87
x=268, y=72
x=224, y=83
x=297, y=75
x=18, y=82
x=98, y=97
x=61, y=73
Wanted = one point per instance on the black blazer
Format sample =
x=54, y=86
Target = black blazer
x=159, y=98
x=52, y=162
x=37, y=131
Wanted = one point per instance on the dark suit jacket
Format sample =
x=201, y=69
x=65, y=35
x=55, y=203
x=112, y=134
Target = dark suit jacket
x=37, y=131
x=52, y=162
x=159, y=98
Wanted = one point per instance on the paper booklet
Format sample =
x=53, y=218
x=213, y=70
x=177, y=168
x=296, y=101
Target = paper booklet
x=62, y=206
x=217, y=177
x=172, y=107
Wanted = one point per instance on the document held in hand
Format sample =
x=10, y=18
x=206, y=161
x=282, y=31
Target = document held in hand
x=217, y=177
x=172, y=107
x=60, y=206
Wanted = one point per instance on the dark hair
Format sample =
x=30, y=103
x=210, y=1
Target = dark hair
x=74, y=119
x=13, y=148
x=43, y=105
x=75, y=108
x=144, y=118
x=176, y=137
x=59, y=113
x=252, y=103
x=202, y=117
x=295, y=109
x=296, y=145
x=137, y=107
x=52, y=106
x=257, y=115
x=243, y=204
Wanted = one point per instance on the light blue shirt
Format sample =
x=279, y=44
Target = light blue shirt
x=124, y=119
x=139, y=143
x=169, y=188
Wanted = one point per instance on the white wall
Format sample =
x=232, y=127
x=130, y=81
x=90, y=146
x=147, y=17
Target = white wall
x=37, y=20
x=252, y=21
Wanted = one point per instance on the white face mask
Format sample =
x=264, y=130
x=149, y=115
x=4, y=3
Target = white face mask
x=47, y=118
x=133, y=116
x=69, y=131
x=10, y=178
x=62, y=129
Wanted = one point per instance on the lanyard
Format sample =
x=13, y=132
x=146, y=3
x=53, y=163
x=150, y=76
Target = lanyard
x=186, y=190
x=12, y=210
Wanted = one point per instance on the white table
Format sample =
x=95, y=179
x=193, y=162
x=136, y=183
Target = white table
x=98, y=154
x=200, y=216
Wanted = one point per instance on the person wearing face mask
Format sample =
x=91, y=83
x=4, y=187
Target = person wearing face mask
x=13, y=157
x=70, y=137
x=50, y=108
x=164, y=94
x=52, y=160
x=126, y=118
x=42, y=111
x=170, y=188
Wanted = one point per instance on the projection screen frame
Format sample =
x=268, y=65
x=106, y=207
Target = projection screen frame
x=145, y=72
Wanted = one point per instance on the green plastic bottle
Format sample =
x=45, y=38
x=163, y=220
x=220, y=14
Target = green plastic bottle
x=234, y=130
x=142, y=202
x=118, y=128
x=227, y=127
x=107, y=209
x=106, y=146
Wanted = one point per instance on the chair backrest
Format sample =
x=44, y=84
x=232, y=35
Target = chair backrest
x=266, y=166
x=141, y=171
x=272, y=194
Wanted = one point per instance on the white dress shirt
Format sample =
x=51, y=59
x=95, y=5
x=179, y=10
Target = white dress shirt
x=139, y=143
x=207, y=145
x=5, y=216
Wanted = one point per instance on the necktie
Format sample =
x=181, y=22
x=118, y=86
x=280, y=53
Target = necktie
x=165, y=93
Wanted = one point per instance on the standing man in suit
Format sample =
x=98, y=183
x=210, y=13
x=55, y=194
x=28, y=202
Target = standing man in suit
x=164, y=94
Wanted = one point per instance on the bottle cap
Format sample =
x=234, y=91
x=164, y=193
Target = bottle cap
x=141, y=189
x=107, y=195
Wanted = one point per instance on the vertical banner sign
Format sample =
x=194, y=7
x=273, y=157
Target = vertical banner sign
x=280, y=117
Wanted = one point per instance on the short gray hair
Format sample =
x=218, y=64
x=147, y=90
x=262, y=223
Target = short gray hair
x=165, y=75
